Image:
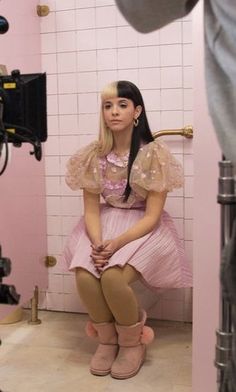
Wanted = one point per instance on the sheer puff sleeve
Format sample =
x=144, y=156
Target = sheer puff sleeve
x=155, y=169
x=83, y=170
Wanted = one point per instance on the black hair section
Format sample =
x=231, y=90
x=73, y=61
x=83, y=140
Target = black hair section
x=142, y=133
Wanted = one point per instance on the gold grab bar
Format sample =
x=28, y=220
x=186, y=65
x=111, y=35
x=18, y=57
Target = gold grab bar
x=186, y=131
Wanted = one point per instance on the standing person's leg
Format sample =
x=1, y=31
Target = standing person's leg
x=130, y=320
x=102, y=324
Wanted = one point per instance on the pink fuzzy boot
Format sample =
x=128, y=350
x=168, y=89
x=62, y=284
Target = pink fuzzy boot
x=132, y=341
x=106, y=352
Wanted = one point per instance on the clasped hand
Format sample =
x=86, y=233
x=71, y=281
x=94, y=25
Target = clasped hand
x=102, y=252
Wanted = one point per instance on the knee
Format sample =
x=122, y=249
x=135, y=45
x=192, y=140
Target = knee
x=111, y=280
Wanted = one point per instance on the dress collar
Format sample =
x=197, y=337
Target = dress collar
x=120, y=161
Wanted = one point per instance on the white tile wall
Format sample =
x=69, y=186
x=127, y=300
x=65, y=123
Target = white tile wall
x=171, y=34
x=149, y=56
x=61, y=5
x=84, y=45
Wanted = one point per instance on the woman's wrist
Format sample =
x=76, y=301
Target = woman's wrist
x=121, y=241
x=96, y=242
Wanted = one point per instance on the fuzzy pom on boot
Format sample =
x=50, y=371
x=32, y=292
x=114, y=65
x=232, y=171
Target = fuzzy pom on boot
x=106, y=352
x=132, y=342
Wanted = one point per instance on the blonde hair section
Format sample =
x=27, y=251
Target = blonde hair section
x=105, y=140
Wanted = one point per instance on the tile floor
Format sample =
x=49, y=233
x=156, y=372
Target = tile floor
x=54, y=357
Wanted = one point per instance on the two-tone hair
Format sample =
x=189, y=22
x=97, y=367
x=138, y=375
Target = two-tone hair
x=141, y=133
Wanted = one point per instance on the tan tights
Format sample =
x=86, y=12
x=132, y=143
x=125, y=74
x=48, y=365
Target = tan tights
x=109, y=297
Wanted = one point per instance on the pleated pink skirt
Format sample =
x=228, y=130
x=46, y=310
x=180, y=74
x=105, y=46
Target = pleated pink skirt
x=158, y=256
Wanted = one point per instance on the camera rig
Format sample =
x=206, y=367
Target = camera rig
x=23, y=119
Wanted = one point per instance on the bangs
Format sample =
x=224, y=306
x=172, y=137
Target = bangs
x=125, y=90
x=110, y=91
x=130, y=91
x=122, y=89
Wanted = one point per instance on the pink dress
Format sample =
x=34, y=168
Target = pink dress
x=159, y=255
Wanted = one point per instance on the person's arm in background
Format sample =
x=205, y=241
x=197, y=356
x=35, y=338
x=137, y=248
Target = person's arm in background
x=150, y=15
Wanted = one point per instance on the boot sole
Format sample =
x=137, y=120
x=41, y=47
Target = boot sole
x=129, y=375
x=100, y=372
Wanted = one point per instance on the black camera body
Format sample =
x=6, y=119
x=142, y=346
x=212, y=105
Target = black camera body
x=24, y=106
x=23, y=110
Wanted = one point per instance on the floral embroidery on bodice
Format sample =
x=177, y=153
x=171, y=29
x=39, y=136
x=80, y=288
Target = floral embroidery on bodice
x=114, y=174
x=154, y=169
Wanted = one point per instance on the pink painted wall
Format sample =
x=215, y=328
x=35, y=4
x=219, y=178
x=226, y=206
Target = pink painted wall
x=206, y=249
x=22, y=189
